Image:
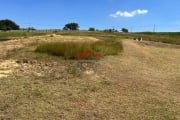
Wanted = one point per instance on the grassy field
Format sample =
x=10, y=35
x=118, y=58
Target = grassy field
x=140, y=83
x=166, y=37
x=6, y=35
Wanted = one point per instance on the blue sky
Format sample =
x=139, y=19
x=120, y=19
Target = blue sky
x=136, y=15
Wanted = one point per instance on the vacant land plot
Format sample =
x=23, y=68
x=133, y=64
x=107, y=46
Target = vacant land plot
x=142, y=82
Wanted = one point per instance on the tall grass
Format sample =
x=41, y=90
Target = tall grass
x=69, y=50
x=108, y=47
x=65, y=49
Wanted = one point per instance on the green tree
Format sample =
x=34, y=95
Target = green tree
x=8, y=25
x=124, y=30
x=31, y=28
x=91, y=29
x=71, y=26
x=65, y=28
x=110, y=30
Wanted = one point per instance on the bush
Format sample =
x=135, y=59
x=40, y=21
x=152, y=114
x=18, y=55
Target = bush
x=81, y=50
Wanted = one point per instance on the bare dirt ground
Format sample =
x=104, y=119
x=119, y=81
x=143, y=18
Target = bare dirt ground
x=143, y=82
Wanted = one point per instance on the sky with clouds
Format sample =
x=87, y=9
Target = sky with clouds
x=129, y=14
x=136, y=15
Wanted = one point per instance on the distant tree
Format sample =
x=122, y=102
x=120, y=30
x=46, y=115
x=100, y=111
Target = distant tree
x=28, y=29
x=65, y=28
x=124, y=30
x=71, y=26
x=91, y=29
x=31, y=28
x=8, y=25
x=110, y=30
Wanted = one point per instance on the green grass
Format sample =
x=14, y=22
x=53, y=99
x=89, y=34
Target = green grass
x=164, y=37
x=97, y=34
x=65, y=49
x=20, y=34
x=108, y=47
x=69, y=50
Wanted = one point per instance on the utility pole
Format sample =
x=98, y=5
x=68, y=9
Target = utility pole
x=154, y=28
x=113, y=29
x=131, y=29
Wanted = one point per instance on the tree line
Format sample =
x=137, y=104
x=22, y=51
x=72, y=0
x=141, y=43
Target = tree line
x=7, y=24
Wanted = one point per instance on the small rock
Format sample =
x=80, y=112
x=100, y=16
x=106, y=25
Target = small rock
x=89, y=72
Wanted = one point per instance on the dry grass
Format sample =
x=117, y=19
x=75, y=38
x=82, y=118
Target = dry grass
x=148, y=79
x=141, y=83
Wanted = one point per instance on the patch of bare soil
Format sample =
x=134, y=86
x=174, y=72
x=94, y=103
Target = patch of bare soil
x=61, y=38
x=57, y=70
x=7, y=67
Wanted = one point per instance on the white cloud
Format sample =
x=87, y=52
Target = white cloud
x=129, y=14
x=142, y=11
